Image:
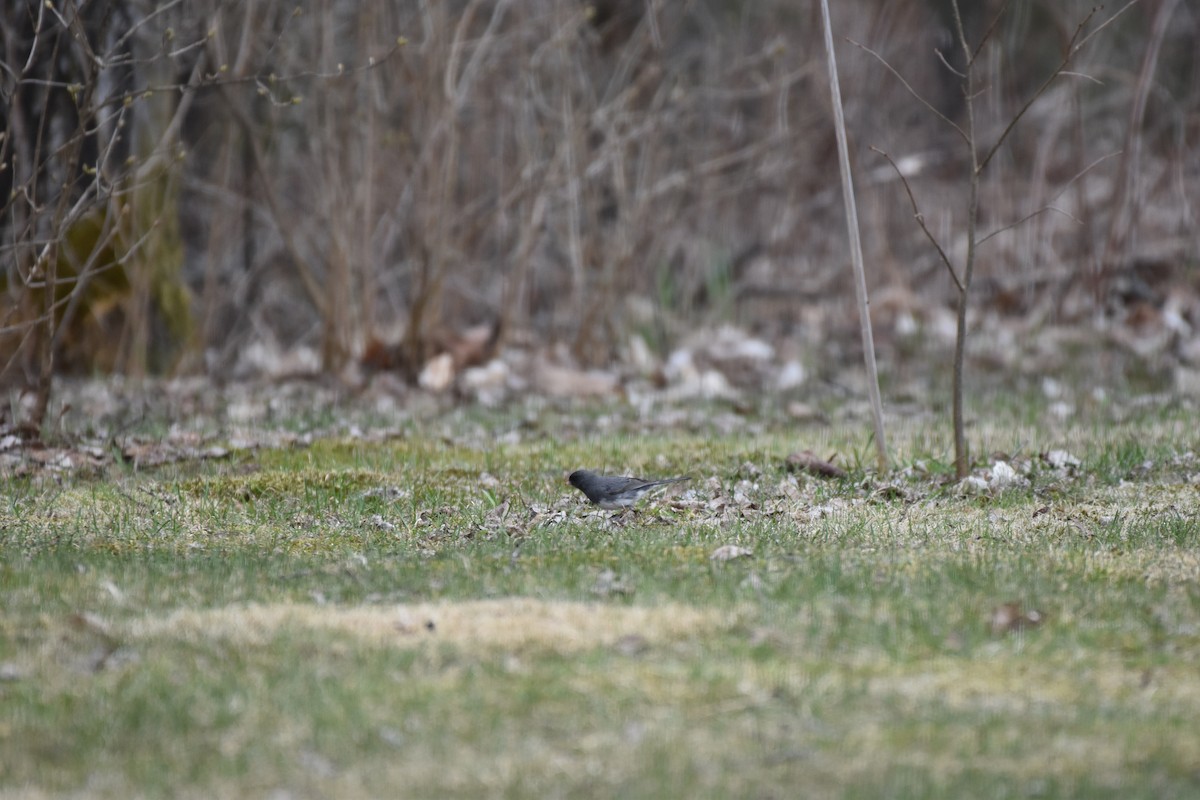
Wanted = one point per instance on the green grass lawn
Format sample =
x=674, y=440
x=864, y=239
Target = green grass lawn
x=440, y=615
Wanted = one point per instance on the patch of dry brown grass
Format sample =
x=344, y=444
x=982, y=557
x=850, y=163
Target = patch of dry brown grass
x=511, y=623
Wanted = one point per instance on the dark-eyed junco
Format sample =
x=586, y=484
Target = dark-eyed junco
x=613, y=492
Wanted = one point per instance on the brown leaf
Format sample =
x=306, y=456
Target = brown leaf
x=473, y=346
x=809, y=462
x=632, y=644
x=1010, y=617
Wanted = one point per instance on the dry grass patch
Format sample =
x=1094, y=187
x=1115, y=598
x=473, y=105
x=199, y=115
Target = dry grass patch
x=514, y=623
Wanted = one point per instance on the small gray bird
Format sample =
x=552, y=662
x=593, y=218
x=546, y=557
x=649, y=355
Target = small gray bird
x=613, y=492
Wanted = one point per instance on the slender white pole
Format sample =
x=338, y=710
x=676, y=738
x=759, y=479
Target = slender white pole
x=856, y=256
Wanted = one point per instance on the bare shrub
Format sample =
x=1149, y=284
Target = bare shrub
x=357, y=173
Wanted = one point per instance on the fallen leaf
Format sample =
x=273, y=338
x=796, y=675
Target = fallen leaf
x=729, y=552
x=1061, y=459
x=631, y=644
x=559, y=381
x=808, y=461
x=1003, y=475
x=1010, y=617
x=973, y=484
x=437, y=374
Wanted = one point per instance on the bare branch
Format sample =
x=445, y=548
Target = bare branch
x=142, y=22
x=87, y=273
x=304, y=270
x=682, y=177
x=1046, y=208
x=962, y=36
x=90, y=270
x=1026, y=218
x=910, y=89
x=37, y=37
x=1073, y=47
x=1103, y=25
x=920, y=218
x=1084, y=171
x=990, y=30
x=942, y=57
x=482, y=45
x=652, y=18
x=1083, y=75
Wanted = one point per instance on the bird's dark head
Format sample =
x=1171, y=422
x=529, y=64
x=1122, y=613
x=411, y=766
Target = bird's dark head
x=577, y=477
